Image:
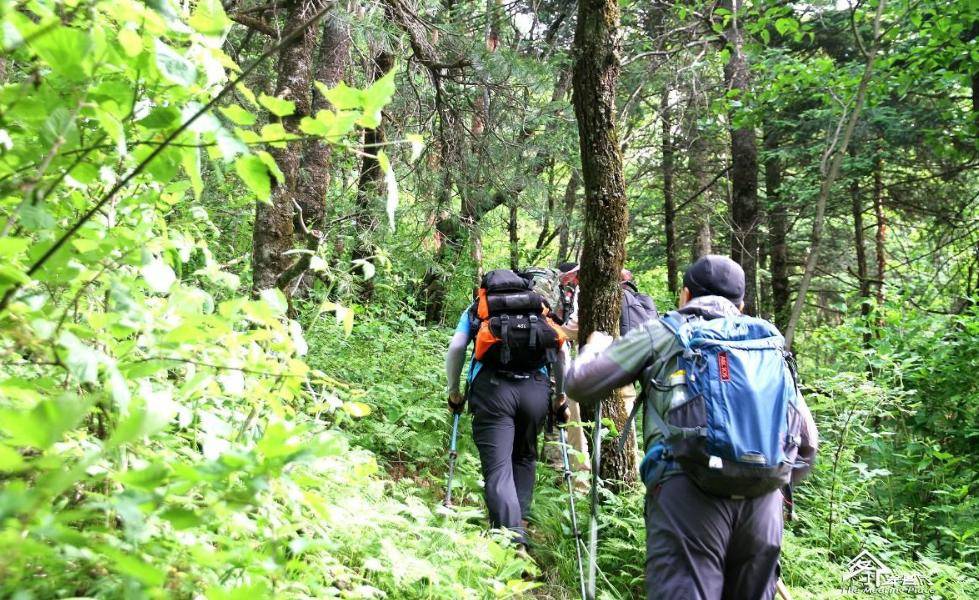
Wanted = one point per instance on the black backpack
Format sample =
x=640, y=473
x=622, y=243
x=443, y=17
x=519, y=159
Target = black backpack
x=637, y=308
x=516, y=330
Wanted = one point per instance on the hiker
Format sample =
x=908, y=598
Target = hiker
x=711, y=531
x=548, y=283
x=636, y=309
x=517, y=351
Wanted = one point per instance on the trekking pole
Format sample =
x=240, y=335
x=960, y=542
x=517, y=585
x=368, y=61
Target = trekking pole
x=452, y=459
x=596, y=463
x=578, y=542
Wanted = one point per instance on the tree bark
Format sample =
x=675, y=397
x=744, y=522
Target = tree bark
x=744, y=167
x=880, y=239
x=371, y=182
x=859, y=241
x=312, y=211
x=832, y=160
x=700, y=208
x=570, y=198
x=274, y=227
x=777, y=230
x=669, y=206
x=514, y=235
x=596, y=72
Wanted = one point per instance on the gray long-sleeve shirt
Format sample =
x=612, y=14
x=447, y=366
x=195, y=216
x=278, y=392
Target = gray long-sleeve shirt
x=601, y=368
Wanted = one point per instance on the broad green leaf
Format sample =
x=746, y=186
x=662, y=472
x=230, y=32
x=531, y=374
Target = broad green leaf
x=274, y=169
x=275, y=299
x=181, y=518
x=376, y=97
x=44, y=424
x=276, y=135
x=277, y=106
x=160, y=117
x=82, y=360
x=64, y=50
x=209, y=17
x=191, y=162
x=356, y=409
x=345, y=316
x=131, y=41
x=135, y=567
x=342, y=97
x=10, y=460
x=255, y=174
x=174, y=66
x=238, y=115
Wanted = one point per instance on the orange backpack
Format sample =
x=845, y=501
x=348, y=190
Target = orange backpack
x=516, y=328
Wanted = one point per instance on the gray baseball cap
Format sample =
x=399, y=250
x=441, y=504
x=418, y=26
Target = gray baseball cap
x=715, y=275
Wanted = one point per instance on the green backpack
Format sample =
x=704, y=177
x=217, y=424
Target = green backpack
x=547, y=283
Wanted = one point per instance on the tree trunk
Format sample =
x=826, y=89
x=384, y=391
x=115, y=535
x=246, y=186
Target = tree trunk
x=744, y=167
x=596, y=72
x=669, y=207
x=863, y=276
x=514, y=235
x=777, y=230
x=564, y=237
x=274, y=227
x=832, y=160
x=371, y=182
x=880, y=240
x=313, y=213
x=700, y=207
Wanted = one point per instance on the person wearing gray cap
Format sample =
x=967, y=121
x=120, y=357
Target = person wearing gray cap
x=706, y=541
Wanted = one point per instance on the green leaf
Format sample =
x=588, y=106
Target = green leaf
x=64, y=49
x=238, y=115
x=81, y=360
x=10, y=460
x=342, y=97
x=272, y=165
x=160, y=117
x=786, y=25
x=277, y=106
x=131, y=42
x=181, y=518
x=356, y=409
x=135, y=567
x=44, y=424
x=209, y=17
x=376, y=97
x=255, y=174
x=173, y=66
x=275, y=299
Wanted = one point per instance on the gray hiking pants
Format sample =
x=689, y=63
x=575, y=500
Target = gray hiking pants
x=700, y=547
x=508, y=411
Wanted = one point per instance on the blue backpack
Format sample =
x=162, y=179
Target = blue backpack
x=738, y=434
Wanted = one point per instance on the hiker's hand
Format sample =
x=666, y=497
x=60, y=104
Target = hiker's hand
x=561, y=410
x=456, y=402
x=599, y=340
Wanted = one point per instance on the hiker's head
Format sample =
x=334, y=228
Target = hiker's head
x=714, y=275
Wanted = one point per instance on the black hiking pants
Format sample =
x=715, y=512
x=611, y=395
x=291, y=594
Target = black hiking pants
x=508, y=412
x=700, y=547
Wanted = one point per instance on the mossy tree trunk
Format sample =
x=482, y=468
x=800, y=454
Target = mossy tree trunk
x=596, y=73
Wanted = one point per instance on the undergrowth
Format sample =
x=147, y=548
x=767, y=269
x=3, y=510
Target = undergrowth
x=399, y=367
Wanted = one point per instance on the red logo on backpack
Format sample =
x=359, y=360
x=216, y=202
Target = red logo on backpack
x=723, y=366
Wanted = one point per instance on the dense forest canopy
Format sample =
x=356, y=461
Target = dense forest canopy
x=232, y=235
